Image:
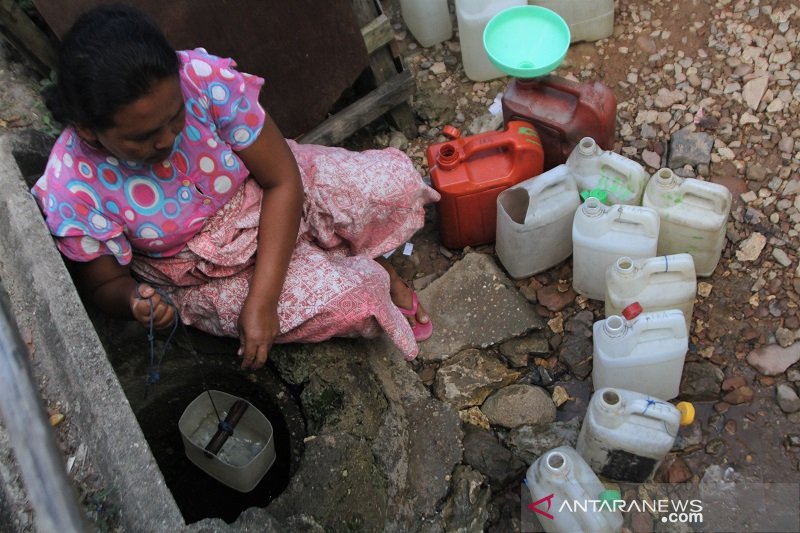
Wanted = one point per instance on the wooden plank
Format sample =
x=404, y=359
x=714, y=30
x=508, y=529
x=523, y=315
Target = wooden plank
x=377, y=33
x=365, y=110
x=27, y=34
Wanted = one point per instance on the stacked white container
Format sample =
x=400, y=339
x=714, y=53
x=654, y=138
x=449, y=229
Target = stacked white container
x=625, y=434
x=693, y=215
x=564, y=476
x=594, y=168
x=588, y=20
x=534, y=222
x=601, y=235
x=643, y=353
x=472, y=16
x=427, y=20
x=657, y=283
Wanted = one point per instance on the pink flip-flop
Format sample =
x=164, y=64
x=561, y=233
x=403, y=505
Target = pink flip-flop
x=421, y=331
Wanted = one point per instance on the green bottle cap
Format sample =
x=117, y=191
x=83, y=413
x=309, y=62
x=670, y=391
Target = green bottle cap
x=610, y=496
x=600, y=194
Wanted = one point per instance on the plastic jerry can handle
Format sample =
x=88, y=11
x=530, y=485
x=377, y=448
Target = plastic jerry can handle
x=672, y=323
x=650, y=408
x=625, y=216
x=682, y=264
x=706, y=193
x=545, y=185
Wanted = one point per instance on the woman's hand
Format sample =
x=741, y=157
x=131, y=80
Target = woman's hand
x=142, y=297
x=258, y=327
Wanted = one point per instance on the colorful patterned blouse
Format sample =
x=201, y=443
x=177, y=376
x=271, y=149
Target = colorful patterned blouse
x=95, y=204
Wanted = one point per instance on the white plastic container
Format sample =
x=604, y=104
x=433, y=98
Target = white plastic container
x=693, y=214
x=644, y=354
x=625, y=435
x=427, y=20
x=602, y=234
x=594, y=168
x=657, y=283
x=534, y=222
x=563, y=474
x=588, y=20
x=472, y=16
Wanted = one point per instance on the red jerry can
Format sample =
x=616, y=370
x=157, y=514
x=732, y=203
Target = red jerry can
x=469, y=173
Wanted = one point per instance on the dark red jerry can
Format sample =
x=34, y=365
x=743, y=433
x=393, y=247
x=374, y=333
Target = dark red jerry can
x=469, y=173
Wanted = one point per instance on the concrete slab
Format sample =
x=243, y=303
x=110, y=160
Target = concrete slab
x=474, y=304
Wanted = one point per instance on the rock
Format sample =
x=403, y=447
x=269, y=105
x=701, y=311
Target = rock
x=674, y=470
x=689, y=148
x=781, y=257
x=785, y=337
x=773, y=360
x=553, y=298
x=518, y=350
x=398, y=140
x=733, y=382
x=652, y=159
x=470, y=377
x=475, y=417
x=529, y=442
x=467, y=509
x=738, y=396
x=575, y=350
x=704, y=289
x=484, y=453
x=788, y=400
x=754, y=90
x=750, y=248
x=701, y=381
x=517, y=405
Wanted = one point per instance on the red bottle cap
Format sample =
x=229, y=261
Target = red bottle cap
x=451, y=131
x=632, y=311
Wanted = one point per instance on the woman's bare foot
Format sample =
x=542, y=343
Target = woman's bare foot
x=401, y=293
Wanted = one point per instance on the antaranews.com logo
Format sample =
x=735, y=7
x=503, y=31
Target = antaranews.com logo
x=672, y=511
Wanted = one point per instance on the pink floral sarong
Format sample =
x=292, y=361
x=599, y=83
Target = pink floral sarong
x=358, y=206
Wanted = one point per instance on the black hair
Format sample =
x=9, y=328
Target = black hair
x=112, y=56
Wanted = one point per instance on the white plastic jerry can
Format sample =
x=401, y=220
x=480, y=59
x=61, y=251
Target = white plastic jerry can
x=472, y=16
x=602, y=234
x=588, y=20
x=564, y=487
x=643, y=353
x=657, y=283
x=623, y=179
x=625, y=434
x=427, y=20
x=694, y=215
x=534, y=222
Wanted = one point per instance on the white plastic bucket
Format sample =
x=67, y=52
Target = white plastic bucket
x=601, y=235
x=645, y=354
x=588, y=20
x=594, y=168
x=657, y=283
x=694, y=216
x=625, y=434
x=244, y=458
x=563, y=475
x=534, y=222
x=427, y=20
x=472, y=16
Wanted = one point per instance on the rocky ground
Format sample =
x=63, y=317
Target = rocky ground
x=726, y=73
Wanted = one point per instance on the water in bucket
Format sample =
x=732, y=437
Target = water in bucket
x=528, y=42
x=471, y=171
x=621, y=178
x=602, y=234
x=562, y=475
x=657, y=283
x=643, y=353
x=694, y=216
x=625, y=434
x=534, y=222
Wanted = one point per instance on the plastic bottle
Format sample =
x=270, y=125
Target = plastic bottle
x=534, y=222
x=427, y=20
x=693, y=214
x=472, y=16
x=588, y=20
x=625, y=434
x=563, y=112
x=602, y=234
x=657, y=283
x=470, y=172
x=623, y=179
x=563, y=476
x=640, y=352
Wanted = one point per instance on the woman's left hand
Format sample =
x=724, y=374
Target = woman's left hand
x=258, y=327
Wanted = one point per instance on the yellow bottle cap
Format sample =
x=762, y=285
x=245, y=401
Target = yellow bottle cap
x=687, y=412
